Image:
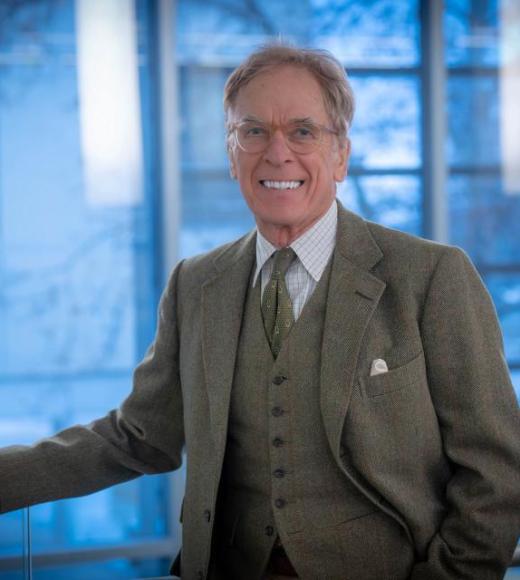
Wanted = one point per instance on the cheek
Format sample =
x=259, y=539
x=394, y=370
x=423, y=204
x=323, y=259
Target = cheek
x=244, y=169
x=321, y=172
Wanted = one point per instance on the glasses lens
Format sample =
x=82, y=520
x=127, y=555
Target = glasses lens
x=253, y=137
x=303, y=137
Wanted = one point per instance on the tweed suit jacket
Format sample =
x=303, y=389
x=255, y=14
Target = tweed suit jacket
x=434, y=442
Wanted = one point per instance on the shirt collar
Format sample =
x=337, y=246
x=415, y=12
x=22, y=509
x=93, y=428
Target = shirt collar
x=313, y=248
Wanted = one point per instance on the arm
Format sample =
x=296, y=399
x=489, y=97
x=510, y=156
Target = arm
x=479, y=421
x=145, y=435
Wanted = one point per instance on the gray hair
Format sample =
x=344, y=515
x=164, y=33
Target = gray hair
x=326, y=69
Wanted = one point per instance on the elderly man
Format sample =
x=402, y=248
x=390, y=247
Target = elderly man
x=339, y=387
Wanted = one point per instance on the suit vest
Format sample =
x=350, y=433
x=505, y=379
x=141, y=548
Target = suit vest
x=279, y=475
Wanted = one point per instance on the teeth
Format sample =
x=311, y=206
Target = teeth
x=281, y=184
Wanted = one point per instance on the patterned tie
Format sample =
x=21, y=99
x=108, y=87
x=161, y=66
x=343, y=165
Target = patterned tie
x=276, y=302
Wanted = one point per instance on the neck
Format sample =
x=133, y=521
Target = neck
x=282, y=236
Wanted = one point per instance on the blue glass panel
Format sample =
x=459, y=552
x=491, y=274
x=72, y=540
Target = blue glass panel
x=474, y=124
x=203, y=144
x=14, y=546
x=378, y=33
x=484, y=220
x=14, y=574
x=474, y=32
x=12, y=534
x=214, y=211
x=124, y=512
x=505, y=290
x=77, y=251
x=121, y=569
x=515, y=376
x=512, y=574
x=386, y=128
x=391, y=200
x=220, y=32
x=374, y=33
x=483, y=187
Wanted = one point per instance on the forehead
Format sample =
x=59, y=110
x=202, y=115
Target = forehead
x=281, y=94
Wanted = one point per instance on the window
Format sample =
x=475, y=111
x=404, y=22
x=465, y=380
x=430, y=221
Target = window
x=482, y=150
x=78, y=260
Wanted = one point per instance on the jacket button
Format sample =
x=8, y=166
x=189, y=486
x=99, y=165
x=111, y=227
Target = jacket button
x=277, y=411
x=279, y=473
x=277, y=442
x=269, y=530
x=279, y=503
x=278, y=380
x=207, y=515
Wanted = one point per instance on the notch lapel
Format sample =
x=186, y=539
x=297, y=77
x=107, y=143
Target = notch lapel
x=353, y=296
x=223, y=300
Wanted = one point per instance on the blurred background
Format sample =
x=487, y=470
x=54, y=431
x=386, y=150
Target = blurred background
x=113, y=166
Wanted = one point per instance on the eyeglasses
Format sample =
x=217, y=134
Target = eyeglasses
x=301, y=137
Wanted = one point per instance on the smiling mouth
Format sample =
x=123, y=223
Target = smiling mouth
x=271, y=184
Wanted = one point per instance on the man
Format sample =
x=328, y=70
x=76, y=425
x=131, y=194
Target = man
x=339, y=387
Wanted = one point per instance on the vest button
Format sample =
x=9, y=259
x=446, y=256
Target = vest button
x=279, y=379
x=277, y=442
x=279, y=473
x=269, y=530
x=207, y=515
x=277, y=411
x=279, y=503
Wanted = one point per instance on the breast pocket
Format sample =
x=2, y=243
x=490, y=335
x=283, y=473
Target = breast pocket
x=395, y=379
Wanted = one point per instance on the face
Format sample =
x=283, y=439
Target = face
x=286, y=191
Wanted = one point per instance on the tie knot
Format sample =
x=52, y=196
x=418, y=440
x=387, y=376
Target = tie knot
x=282, y=261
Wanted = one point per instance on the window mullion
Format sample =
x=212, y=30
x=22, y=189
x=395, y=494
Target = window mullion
x=433, y=81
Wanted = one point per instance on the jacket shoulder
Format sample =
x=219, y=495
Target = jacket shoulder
x=196, y=270
x=411, y=264
x=405, y=251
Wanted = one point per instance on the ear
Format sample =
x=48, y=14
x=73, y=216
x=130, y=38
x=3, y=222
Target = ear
x=231, y=156
x=343, y=155
x=232, y=167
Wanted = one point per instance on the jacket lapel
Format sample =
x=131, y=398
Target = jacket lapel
x=353, y=296
x=223, y=300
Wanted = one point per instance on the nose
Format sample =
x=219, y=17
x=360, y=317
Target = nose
x=277, y=152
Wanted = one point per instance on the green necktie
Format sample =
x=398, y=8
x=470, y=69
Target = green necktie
x=276, y=302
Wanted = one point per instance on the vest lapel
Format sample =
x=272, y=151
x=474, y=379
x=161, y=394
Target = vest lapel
x=353, y=296
x=223, y=300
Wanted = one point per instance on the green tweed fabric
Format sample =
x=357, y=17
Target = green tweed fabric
x=277, y=308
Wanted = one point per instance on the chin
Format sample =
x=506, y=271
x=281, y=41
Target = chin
x=287, y=217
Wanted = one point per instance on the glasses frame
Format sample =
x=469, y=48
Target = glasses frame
x=273, y=128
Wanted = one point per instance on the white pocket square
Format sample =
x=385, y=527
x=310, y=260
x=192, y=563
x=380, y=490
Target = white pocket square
x=378, y=367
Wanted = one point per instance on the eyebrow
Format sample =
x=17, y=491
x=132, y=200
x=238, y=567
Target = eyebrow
x=253, y=119
x=303, y=120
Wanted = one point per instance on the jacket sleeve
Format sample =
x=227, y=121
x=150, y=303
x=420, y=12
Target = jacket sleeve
x=479, y=421
x=145, y=435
